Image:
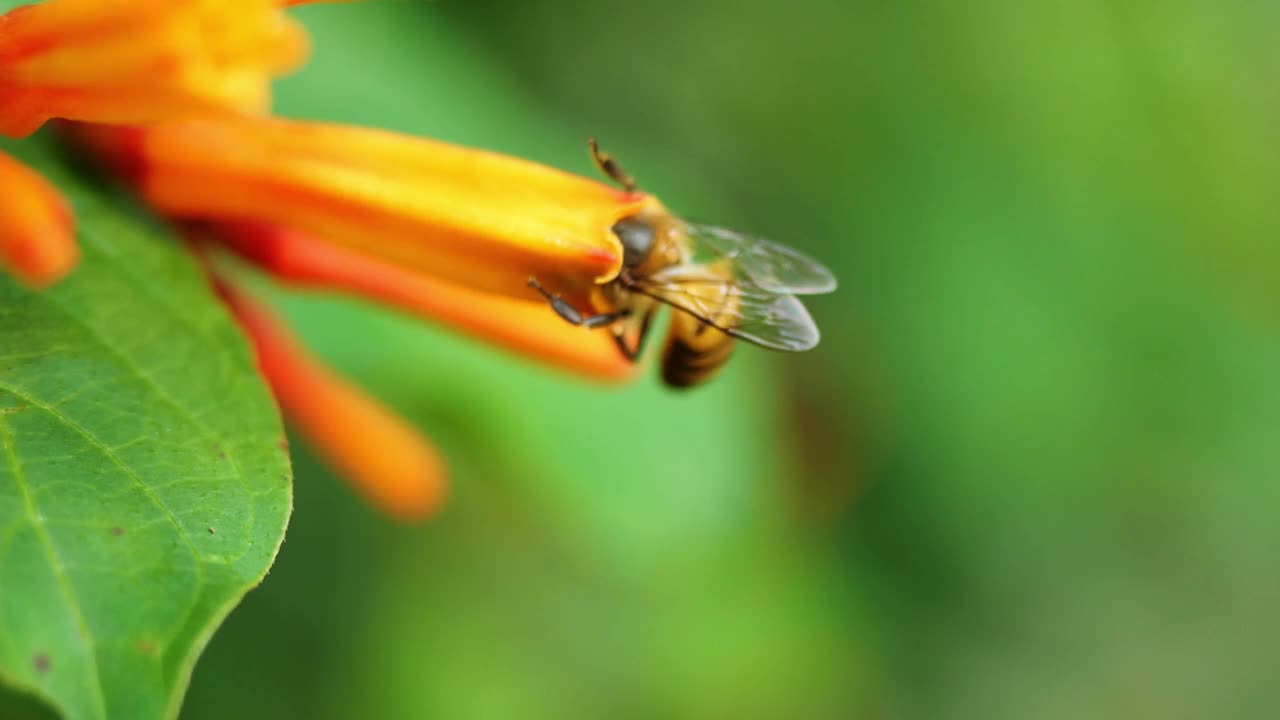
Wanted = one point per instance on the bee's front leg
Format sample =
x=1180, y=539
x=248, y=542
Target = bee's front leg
x=571, y=314
x=641, y=327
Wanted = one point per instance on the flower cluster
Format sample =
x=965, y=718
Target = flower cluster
x=174, y=96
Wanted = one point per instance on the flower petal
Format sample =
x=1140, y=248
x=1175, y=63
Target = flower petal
x=383, y=457
x=528, y=328
x=37, y=229
x=140, y=61
x=467, y=216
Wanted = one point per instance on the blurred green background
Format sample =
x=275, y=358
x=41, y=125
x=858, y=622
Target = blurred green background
x=1033, y=471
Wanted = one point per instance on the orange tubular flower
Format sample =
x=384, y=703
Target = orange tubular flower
x=387, y=461
x=170, y=93
x=470, y=217
x=524, y=327
x=37, y=230
x=140, y=61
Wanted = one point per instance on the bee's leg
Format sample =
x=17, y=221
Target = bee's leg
x=571, y=314
x=620, y=338
x=630, y=353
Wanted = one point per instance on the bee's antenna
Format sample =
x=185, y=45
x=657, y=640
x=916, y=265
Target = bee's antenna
x=610, y=167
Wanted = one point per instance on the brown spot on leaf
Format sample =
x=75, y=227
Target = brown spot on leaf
x=41, y=662
x=211, y=531
x=147, y=647
x=284, y=443
x=116, y=531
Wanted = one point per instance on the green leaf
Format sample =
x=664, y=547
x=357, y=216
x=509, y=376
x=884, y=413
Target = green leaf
x=143, y=485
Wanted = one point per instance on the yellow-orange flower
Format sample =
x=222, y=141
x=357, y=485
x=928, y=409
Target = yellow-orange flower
x=140, y=61
x=170, y=94
x=467, y=216
x=449, y=233
x=37, y=230
x=524, y=327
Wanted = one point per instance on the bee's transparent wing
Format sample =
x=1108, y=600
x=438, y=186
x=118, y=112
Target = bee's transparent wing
x=767, y=265
x=770, y=319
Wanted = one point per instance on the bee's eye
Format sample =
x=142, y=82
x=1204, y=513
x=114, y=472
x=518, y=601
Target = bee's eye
x=637, y=240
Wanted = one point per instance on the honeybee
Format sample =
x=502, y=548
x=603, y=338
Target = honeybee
x=724, y=286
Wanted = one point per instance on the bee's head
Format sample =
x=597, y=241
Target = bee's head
x=636, y=236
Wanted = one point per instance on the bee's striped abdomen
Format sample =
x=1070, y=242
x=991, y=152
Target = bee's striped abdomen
x=695, y=351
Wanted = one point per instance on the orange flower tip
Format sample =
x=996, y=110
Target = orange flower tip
x=141, y=62
x=383, y=457
x=474, y=218
x=604, y=257
x=528, y=328
x=37, y=228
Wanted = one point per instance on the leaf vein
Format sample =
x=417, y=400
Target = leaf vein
x=128, y=472
x=55, y=563
x=164, y=395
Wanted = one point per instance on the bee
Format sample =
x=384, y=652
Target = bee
x=724, y=287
